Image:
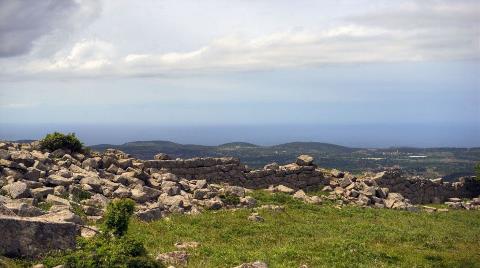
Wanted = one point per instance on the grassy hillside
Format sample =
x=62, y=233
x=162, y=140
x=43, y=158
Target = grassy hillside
x=318, y=236
x=433, y=162
x=321, y=236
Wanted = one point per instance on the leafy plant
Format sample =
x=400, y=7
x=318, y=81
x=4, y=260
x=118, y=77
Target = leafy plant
x=45, y=206
x=3, y=192
x=79, y=194
x=103, y=251
x=56, y=140
x=117, y=216
x=229, y=199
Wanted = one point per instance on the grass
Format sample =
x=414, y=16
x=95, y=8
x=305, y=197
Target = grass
x=319, y=236
x=45, y=206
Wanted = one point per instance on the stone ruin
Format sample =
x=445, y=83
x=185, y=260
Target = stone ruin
x=67, y=185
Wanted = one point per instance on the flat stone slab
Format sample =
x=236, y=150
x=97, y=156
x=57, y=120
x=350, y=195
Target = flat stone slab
x=31, y=237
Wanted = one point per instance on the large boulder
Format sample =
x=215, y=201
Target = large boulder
x=91, y=163
x=161, y=156
x=59, y=180
x=33, y=174
x=304, y=160
x=31, y=237
x=17, y=190
x=13, y=165
x=24, y=210
x=6, y=211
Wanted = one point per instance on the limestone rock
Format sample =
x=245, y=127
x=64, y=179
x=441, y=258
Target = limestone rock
x=337, y=174
x=151, y=214
x=174, y=257
x=203, y=194
x=187, y=245
x=255, y=217
x=300, y=194
x=214, y=204
x=125, y=163
x=93, y=182
x=24, y=210
x=62, y=216
x=57, y=200
x=304, y=160
x=272, y=166
x=6, y=211
x=31, y=237
x=17, y=190
x=91, y=163
x=284, y=189
x=33, y=174
x=235, y=190
x=59, y=180
x=257, y=264
x=161, y=156
x=248, y=202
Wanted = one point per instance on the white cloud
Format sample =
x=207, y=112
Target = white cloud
x=419, y=31
x=23, y=23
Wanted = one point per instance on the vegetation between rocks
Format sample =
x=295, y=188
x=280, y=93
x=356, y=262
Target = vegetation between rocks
x=56, y=140
x=296, y=234
x=111, y=248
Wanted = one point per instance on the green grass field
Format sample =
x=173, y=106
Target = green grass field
x=319, y=236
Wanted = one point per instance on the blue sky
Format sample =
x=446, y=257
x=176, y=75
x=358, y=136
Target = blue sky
x=182, y=63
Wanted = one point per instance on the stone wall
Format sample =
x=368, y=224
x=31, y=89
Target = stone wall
x=231, y=170
x=424, y=191
x=307, y=176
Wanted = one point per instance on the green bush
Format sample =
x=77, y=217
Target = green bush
x=229, y=199
x=105, y=251
x=117, y=216
x=79, y=194
x=54, y=141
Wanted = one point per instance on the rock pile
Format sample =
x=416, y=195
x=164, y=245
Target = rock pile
x=68, y=182
x=420, y=190
x=47, y=191
x=365, y=192
x=457, y=203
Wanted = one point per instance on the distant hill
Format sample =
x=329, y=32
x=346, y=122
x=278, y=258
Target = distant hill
x=429, y=162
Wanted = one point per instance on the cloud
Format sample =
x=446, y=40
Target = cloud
x=23, y=22
x=417, y=31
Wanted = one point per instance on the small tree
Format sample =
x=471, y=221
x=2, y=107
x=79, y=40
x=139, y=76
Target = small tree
x=56, y=140
x=117, y=216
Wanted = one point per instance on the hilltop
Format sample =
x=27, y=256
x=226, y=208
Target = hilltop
x=449, y=163
x=219, y=212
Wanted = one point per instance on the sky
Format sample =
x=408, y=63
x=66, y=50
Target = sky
x=403, y=65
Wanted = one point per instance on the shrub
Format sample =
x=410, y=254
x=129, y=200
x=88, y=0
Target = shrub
x=117, y=216
x=104, y=251
x=54, y=141
x=229, y=199
x=79, y=194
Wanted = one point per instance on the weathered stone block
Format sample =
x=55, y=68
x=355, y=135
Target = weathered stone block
x=30, y=237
